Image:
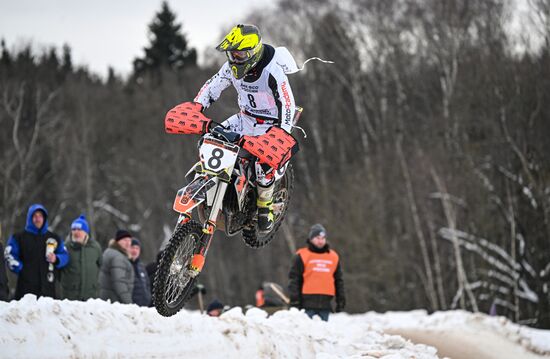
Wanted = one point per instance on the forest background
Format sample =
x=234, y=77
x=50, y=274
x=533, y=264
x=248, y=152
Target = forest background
x=426, y=157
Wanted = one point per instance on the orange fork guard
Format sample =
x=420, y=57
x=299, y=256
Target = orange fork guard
x=187, y=119
x=197, y=262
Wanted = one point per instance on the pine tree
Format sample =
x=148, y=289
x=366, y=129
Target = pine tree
x=168, y=46
x=67, y=62
x=5, y=57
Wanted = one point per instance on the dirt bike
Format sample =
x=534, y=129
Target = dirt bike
x=221, y=194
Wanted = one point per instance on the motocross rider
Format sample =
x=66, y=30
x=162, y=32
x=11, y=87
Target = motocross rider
x=264, y=97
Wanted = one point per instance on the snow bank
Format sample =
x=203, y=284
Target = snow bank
x=48, y=328
x=535, y=340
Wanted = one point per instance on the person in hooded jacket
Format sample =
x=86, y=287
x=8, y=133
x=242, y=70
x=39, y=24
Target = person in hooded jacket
x=116, y=277
x=36, y=255
x=79, y=277
x=316, y=277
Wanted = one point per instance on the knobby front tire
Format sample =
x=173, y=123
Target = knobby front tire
x=173, y=281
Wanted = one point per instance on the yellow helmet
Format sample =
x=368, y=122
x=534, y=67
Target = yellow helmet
x=243, y=47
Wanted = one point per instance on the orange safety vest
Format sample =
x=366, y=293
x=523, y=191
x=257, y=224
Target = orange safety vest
x=319, y=271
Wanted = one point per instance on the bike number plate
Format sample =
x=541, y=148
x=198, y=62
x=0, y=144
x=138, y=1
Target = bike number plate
x=217, y=155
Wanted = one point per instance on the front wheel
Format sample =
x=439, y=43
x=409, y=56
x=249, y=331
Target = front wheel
x=174, y=280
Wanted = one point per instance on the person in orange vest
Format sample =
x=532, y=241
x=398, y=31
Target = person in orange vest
x=316, y=277
x=260, y=299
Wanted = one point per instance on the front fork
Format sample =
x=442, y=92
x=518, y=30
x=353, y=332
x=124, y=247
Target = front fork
x=197, y=263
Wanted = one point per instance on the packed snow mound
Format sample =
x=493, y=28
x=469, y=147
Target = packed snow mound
x=47, y=328
x=534, y=340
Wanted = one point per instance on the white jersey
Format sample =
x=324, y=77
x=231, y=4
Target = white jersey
x=269, y=97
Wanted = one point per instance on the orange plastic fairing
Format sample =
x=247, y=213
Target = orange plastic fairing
x=239, y=184
x=182, y=202
x=186, y=118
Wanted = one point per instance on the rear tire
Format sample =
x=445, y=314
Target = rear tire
x=281, y=195
x=173, y=282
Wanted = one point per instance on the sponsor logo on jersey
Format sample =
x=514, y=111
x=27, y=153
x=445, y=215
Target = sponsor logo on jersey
x=249, y=88
x=286, y=97
x=283, y=66
x=258, y=112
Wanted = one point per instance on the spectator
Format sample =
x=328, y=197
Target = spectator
x=215, y=308
x=259, y=296
x=141, y=294
x=4, y=289
x=271, y=297
x=316, y=276
x=79, y=277
x=36, y=255
x=116, y=277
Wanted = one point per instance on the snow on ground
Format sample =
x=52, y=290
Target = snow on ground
x=474, y=324
x=47, y=328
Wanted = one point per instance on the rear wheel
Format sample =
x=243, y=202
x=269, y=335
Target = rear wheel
x=174, y=280
x=281, y=199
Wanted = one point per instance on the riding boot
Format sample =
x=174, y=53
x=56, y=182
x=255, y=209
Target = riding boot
x=265, y=207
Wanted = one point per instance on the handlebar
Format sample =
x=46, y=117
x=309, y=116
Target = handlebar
x=225, y=134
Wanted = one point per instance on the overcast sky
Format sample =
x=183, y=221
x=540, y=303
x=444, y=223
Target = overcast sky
x=114, y=32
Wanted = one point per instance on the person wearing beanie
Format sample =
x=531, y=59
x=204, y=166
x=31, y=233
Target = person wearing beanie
x=116, y=277
x=316, y=276
x=36, y=255
x=141, y=295
x=317, y=230
x=124, y=235
x=79, y=277
x=215, y=308
x=81, y=224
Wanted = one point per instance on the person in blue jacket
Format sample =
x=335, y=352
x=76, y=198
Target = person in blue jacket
x=36, y=255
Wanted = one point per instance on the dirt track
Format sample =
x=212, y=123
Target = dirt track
x=467, y=344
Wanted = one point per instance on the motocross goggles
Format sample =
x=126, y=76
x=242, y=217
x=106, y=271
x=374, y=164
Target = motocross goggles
x=239, y=56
